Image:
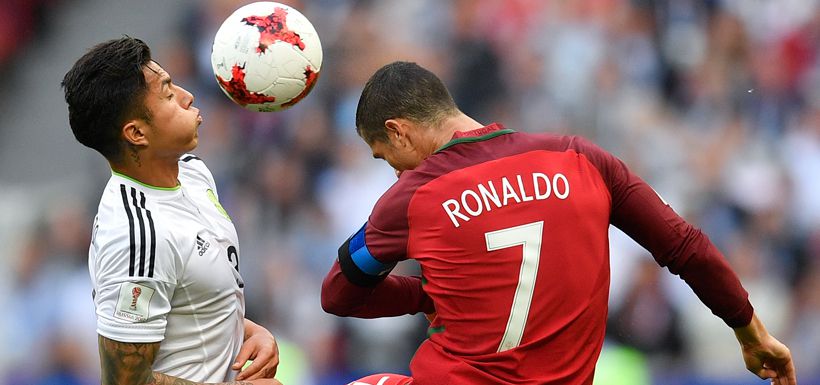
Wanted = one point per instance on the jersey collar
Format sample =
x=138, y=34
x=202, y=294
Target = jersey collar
x=477, y=135
x=168, y=192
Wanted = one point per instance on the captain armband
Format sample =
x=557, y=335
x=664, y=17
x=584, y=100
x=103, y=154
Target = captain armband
x=358, y=265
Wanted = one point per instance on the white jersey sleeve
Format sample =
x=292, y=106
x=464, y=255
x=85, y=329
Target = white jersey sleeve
x=134, y=264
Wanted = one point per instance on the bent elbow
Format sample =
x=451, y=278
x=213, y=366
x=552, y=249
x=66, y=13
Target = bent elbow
x=330, y=304
x=332, y=307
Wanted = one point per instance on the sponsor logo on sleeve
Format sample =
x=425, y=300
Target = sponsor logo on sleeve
x=134, y=301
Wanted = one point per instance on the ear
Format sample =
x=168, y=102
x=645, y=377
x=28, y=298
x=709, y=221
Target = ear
x=396, y=131
x=133, y=132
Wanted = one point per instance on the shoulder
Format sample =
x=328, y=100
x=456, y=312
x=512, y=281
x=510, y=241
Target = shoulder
x=608, y=165
x=392, y=206
x=124, y=206
x=114, y=211
x=600, y=158
x=191, y=166
x=547, y=141
x=584, y=146
x=137, y=239
x=525, y=141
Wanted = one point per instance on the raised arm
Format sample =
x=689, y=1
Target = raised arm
x=686, y=251
x=674, y=243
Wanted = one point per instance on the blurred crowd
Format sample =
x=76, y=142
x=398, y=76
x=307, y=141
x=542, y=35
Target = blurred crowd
x=715, y=103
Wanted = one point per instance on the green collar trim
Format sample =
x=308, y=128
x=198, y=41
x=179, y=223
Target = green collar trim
x=435, y=330
x=175, y=188
x=471, y=139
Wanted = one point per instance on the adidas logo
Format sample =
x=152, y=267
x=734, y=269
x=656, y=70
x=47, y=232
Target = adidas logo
x=202, y=245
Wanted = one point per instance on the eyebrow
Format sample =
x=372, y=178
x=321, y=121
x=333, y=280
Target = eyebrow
x=166, y=81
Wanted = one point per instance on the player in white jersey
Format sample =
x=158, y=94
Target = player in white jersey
x=191, y=292
x=164, y=256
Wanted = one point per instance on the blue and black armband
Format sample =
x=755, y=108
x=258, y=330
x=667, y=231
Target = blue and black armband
x=358, y=265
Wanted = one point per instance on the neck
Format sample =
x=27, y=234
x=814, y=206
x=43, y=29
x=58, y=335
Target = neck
x=457, y=123
x=150, y=171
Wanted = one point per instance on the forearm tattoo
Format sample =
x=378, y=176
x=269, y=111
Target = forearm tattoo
x=125, y=363
x=162, y=379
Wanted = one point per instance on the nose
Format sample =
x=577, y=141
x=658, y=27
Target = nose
x=187, y=98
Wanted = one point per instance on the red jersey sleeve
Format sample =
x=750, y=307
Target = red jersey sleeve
x=640, y=213
x=378, y=245
x=394, y=296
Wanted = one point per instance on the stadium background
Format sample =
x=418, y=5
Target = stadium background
x=715, y=103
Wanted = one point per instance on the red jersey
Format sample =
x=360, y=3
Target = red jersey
x=511, y=233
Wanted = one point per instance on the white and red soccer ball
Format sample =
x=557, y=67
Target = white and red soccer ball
x=266, y=56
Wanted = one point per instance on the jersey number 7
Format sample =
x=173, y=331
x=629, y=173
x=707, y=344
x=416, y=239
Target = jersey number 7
x=529, y=236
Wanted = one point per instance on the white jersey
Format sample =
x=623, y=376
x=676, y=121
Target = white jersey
x=164, y=264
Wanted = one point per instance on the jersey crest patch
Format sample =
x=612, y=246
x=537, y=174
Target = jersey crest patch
x=133, y=302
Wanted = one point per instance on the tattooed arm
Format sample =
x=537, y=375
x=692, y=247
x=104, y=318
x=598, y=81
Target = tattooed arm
x=124, y=363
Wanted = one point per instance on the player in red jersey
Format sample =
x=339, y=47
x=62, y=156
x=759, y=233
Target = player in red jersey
x=511, y=232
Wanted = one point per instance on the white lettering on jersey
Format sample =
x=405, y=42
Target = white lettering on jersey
x=475, y=203
x=133, y=302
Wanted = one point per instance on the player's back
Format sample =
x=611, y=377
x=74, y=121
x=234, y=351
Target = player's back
x=510, y=230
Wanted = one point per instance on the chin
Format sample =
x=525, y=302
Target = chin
x=193, y=144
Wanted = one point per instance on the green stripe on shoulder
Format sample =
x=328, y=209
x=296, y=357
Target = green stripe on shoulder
x=472, y=139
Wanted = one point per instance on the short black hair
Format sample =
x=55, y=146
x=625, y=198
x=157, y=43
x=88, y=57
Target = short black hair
x=105, y=88
x=401, y=90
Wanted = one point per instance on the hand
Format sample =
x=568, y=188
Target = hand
x=259, y=346
x=764, y=355
x=771, y=359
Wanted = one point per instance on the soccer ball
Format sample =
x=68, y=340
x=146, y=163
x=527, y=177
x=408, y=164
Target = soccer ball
x=266, y=56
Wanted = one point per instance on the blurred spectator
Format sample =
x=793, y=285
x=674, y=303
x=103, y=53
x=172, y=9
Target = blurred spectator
x=20, y=21
x=804, y=339
x=647, y=319
x=52, y=322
